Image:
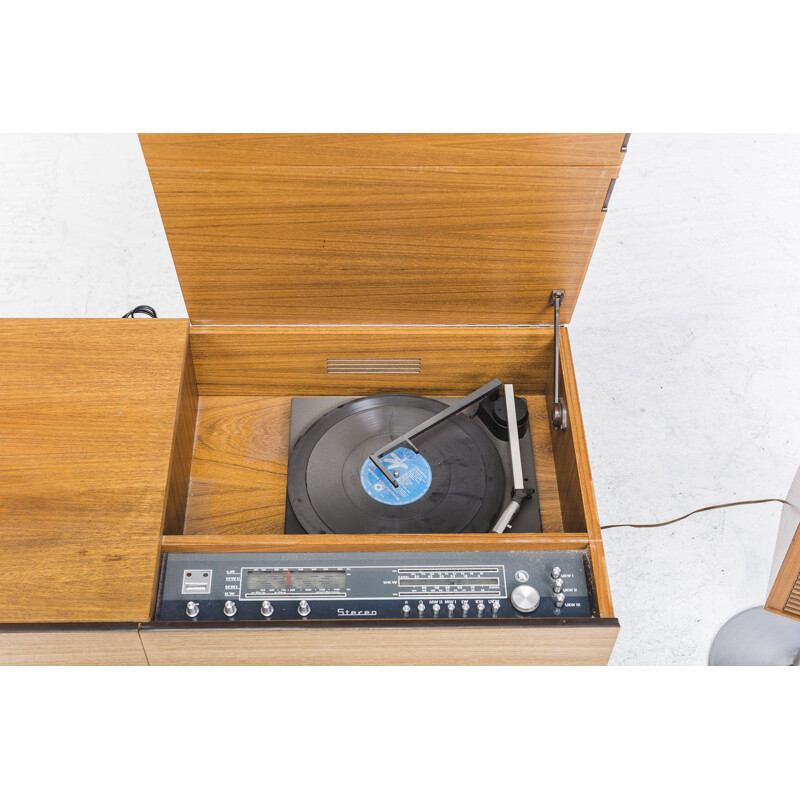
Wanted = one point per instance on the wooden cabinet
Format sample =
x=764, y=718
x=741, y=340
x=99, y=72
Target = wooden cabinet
x=130, y=438
x=87, y=422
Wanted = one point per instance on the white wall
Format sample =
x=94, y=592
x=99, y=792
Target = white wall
x=80, y=234
x=686, y=341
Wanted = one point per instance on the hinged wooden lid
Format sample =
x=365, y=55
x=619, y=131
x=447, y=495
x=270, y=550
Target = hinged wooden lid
x=380, y=228
x=87, y=422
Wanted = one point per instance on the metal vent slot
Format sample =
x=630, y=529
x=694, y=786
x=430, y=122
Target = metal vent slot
x=793, y=601
x=390, y=366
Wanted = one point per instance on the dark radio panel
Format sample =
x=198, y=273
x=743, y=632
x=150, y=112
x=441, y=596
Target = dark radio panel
x=291, y=587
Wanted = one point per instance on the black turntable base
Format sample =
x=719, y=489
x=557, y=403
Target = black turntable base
x=459, y=480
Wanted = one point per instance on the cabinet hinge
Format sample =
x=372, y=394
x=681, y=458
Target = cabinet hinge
x=558, y=411
x=608, y=194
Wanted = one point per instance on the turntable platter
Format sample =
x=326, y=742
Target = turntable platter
x=453, y=484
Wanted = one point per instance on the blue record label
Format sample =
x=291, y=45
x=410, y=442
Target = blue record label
x=409, y=469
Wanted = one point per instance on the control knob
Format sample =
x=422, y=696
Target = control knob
x=558, y=583
x=229, y=609
x=559, y=599
x=266, y=609
x=421, y=607
x=525, y=598
x=192, y=609
x=436, y=609
x=451, y=607
x=304, y=609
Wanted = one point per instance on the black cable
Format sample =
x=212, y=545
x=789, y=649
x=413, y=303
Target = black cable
x=148, y=310
x=696, y=511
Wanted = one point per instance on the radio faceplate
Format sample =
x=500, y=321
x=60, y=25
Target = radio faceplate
x=445, y=586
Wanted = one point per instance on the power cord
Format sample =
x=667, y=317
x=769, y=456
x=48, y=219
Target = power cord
x=696, y=511
x=148, y=310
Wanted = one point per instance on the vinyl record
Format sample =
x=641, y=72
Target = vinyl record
x=455, y=484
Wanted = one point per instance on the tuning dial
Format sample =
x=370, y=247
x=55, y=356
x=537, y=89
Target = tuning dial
x=558, y=583
x=559, y=599
x=192, y=609
x=421, y=607
x=229, y=609
x=451, y=607
x=304, y=609
x=525, y=598
x=266, y=609
x=556, y=573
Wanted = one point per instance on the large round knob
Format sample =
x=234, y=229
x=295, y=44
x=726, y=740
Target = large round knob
x=229, y=609
x=192, y=609
x=525, y=598
x=304, y=609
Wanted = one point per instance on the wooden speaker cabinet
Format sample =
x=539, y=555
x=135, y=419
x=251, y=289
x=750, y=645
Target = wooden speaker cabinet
x=304, y=261
x=784, y=592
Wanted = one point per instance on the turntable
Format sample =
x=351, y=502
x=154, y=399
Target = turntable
x=409, y=464
x=367, y=447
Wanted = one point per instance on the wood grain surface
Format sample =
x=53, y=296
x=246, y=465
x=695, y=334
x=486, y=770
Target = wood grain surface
x=87, y=413
x=257, y=241
x=238, y=482
x=198, y=151
x=544, y=464
x=372, y=543
x=784, y=595
x=575, y=485
x=238, y=472
x=286, y=360
x=88, y=647
x=575, y=644
x=182, y=449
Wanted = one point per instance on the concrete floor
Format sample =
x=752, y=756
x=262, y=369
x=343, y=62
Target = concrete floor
x=686, y=341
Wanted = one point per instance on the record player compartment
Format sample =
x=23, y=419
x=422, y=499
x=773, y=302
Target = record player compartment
x=246, y=377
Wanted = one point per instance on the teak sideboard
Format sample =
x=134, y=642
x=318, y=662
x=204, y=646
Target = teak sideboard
x=125, y=439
